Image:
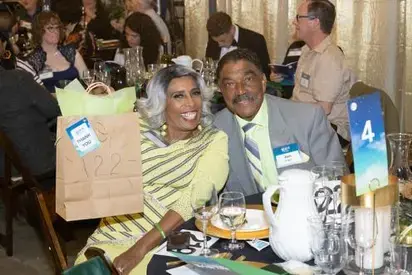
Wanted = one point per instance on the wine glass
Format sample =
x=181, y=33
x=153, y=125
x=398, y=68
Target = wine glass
x=360, y=230
x=105, y=77
x=205, y=206
x=88, y=77
x=151, y=70
x=232, y=212
x=99, y=69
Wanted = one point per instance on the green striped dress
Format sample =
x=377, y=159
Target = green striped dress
x=168, y=176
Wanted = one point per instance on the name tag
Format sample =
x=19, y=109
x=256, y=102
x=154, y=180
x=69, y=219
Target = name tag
x=25, y=24
x=287, y=155
x=46, y=74
x=295, y=52
x=304, y=80
x=83, y=137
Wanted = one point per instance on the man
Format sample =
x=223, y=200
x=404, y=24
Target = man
x=322, y=76
x=225, y=37
x=25, y=109
x=260, y=125
x=9, y=60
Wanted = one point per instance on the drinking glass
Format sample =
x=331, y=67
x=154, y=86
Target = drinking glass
x=151, y=70
x=328, y=248
x=88, y=77
x=328, y=181
x=400, y=257
x=205, y=206
x=232, y=211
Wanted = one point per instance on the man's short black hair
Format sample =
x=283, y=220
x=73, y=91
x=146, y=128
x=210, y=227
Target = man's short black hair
x=218, y=24
x=7, y=21
x=237, y=55
x=325, y=11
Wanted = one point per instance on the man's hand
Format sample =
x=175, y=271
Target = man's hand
x=276, y=77
x=124, y=263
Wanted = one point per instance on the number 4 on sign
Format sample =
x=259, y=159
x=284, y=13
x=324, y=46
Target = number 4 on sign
x=367, y=133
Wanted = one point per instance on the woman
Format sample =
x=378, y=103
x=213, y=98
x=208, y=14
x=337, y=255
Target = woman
x=52, y=61
x=180, y=151
x=146, y=7
x=140, y=30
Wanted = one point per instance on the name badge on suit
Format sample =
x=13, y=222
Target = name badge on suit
x=288, y=155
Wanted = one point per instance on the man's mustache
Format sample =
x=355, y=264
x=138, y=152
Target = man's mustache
x=246, y=96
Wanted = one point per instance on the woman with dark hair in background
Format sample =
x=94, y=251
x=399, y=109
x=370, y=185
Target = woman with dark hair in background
x=140, y=30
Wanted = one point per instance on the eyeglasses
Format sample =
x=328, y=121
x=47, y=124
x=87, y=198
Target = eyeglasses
x=53, y=28
x=309, y=17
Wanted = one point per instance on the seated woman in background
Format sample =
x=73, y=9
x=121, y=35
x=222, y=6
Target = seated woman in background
x=146, y=7
x=52, y=61
x=140, y=30
x=180, y=151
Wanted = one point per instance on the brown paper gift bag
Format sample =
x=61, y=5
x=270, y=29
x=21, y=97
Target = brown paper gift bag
x=104, y=182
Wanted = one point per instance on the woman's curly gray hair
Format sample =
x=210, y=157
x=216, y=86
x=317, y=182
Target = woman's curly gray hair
x=152, y=108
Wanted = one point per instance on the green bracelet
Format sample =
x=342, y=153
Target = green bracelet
x=162, y=233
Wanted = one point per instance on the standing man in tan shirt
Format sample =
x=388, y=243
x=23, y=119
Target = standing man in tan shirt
x=322, y=76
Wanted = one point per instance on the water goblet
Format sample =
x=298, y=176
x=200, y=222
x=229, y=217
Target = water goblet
x=88, y=77
x=360, y=230
x=232, y=212
x=99, y=69
x=205, y=205
x=328, y=248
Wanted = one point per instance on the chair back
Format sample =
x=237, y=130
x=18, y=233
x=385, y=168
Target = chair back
x=390, y=113
x=13, y=159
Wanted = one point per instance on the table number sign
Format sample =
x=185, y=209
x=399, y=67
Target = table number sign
x=368, y=143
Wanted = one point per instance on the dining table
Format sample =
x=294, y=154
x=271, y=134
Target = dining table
x=157, y=265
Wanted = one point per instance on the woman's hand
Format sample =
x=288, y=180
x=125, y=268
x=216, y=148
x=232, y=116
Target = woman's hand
x=276, y=77
x=118, y=24
x=124, y=263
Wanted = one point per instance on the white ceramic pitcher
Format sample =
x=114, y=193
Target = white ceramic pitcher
x=289, y=235
x=187, y=61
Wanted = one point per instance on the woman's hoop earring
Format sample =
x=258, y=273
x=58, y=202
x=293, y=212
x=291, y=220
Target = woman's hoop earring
x=6, y=54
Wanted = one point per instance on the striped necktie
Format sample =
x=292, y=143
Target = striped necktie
x=252, y=153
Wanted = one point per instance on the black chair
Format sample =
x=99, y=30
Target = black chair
x=10, y=189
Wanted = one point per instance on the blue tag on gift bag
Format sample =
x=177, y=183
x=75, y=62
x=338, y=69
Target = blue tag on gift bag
x=368, y=143
x=83, y=137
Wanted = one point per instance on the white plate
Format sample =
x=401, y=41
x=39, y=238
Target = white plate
x=256, y=220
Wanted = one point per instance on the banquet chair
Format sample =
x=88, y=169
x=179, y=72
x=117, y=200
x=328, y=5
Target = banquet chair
x=390, y=112
x=10, y=190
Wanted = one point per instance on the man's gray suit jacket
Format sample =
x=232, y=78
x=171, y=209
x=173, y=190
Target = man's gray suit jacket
x=289, y=122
